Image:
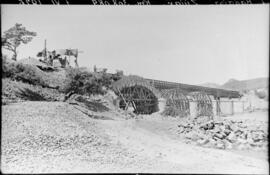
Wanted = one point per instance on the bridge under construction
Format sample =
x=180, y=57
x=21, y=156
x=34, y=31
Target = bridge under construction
x=143, y=95
x=186, y=88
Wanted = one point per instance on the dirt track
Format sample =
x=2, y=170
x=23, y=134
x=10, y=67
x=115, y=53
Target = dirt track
x=48, y=137
x=145, y=140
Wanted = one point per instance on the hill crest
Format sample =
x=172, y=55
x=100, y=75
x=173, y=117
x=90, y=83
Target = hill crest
x=240, y=85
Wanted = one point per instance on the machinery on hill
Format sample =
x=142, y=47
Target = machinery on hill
x=60, y=55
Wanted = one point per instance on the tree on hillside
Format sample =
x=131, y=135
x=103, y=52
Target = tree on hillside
x=14, y=36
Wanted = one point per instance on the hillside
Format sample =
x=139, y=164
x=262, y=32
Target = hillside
x=240, y=85
x=251, y=84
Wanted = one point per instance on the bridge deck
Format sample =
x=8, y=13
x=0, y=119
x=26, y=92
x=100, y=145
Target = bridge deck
x=191, y=88
x=161, y=85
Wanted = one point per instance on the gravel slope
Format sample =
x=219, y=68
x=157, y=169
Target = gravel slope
x=55, y=137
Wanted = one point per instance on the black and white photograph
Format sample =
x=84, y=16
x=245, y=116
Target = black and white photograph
x=135, y=89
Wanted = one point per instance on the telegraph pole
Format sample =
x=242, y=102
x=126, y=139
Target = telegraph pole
x=76, y=57
x=45, y=50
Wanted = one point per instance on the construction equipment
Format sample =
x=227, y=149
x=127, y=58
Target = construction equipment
x=60, y=55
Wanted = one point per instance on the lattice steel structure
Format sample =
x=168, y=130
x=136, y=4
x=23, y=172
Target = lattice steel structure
x=216, y=92
x=137, y=92
x=176, y=100
x=204, y=103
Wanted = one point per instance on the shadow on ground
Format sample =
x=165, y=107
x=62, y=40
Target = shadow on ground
x=93, y=106
x=30, y=95
x=89, y=113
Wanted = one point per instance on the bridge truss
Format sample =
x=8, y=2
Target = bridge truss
x=142, y=95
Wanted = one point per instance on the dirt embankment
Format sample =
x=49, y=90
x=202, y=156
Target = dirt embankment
x=55, y=137
x=49, y=137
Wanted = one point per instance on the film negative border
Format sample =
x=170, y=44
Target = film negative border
x=133, y=2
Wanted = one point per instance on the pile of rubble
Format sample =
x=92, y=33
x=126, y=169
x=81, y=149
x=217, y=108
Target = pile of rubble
x=225, y=134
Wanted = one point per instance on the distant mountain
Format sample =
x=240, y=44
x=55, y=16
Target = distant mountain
x=250, y=84
x=240, y=85
x=211, y=85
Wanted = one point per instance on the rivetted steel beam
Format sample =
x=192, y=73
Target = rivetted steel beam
x=216, y=92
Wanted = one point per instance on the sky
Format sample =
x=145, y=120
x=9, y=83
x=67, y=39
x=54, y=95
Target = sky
x=185, y=44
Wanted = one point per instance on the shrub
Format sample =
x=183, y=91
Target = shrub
x=22, y=72
x=8, y=68
x=86, y=83
x=29, y=74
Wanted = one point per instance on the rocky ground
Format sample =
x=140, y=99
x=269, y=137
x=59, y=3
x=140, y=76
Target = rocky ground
x=226, y=133
x=64, y=137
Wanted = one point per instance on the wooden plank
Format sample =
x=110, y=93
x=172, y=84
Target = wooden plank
x=123, y=99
